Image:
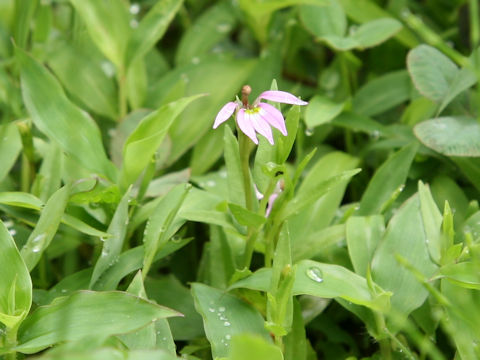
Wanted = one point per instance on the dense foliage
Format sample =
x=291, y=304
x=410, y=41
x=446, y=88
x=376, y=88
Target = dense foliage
x=131, y=229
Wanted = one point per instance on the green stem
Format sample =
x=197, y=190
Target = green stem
x=383, y=341
x=474, y=24
x=11, y=339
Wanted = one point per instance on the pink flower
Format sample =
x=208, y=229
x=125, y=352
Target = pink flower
x=258, y=117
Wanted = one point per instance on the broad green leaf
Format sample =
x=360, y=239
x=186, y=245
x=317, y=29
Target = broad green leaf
x=308, y=195
x=306, y=226
x=10, y=147
x=382, y=93
x=169, y=292
x=321, y=110
x=322, y=280
x=144, y=141
x=367, y=35
x=317, y=243
x=387, y=179
x=451, y=136
x=464, y=274
x=436, y=76
x=163, y=223
x=363, y=235
x=46, y=227
x=206, y=152
x=112, y=246
x=252, y=347
x=137, y=83
x=88, y=82
x=107, y=23
x=60, y=119
x=362, y=11
x=151, y=29
x=262, y=7
x=225, y=316
x=296, y=340
x=329, y=19
x=246, y=217
x=432, y=223
x=87, y=313
x=105, y=353
x=405, y=236
x=212, y=26
x=15, y=282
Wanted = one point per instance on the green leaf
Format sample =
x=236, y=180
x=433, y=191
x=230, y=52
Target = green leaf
x=321, y=110
x=382, y=93
x=21, y=199
x=137, y=83
x=87, y=313
x=363, y=235
x=10, y=147
x=464, y=274
x=59, y=118
x=262, y=7
x=436, y=76
x=308, y=195
x=451, y=136
x=144, y=141
x=367, y=35
x=246, y=217
x=15, y=280
x=23, y=15
x=405, y=236
x=163, y=223
x=112, y=246
x=432, y=223
x=107, y=23
x=387, y=179
x=211, y=27
x=321, y=280
x=88, y=82
x=225, y=316
x=253, y=348
x=49, y=178
x=329, y=19
x=46, y=227
x=151, y=29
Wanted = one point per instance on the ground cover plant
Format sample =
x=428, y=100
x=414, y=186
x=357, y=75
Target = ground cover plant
x=248, y=179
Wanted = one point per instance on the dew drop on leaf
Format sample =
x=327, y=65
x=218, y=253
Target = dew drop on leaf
x=315, y=274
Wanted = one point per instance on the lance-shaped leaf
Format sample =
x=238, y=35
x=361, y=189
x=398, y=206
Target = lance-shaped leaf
x=62, y=121
x=87, y=313
x=46, y=227
x=15, y=282
x=108, y=25
x=144, y=141
x=112, y=246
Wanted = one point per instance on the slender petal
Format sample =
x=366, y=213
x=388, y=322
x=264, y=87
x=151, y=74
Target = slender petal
x=274, y=117
x=225, y=113
x=258, y=194
x=261, y=126
x=246, y=126
x=271, y=201
x=281, y=97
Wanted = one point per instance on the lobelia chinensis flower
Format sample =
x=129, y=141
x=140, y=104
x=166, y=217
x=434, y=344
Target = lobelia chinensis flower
x=258, y=117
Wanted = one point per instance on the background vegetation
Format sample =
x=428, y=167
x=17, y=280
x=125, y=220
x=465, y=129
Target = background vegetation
x=128, y=224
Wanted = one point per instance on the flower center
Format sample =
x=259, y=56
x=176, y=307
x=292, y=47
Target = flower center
x=252, y=111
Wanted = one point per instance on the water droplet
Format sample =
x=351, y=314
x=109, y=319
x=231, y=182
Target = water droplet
x=108, y=68
x=226, y=323
x=133, y=23
x=315, y=274
x=38, y=242
x=134, y=9
x=223, y=174
x=221, y=309
x=63, y=291
x=177, y=239
x=12, y=232
x=353, y=29
x=223, y=28
x=195, y=60
x=309, y=131
x=105, y=251
x=211, y=310
x=228, y=336
x=375, y=135
x=211, y=183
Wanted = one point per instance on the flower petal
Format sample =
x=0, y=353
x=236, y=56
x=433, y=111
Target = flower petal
x=246, y=126
x=274, y=117
x=261, y=126
x=281, y=97
x=223, y=115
